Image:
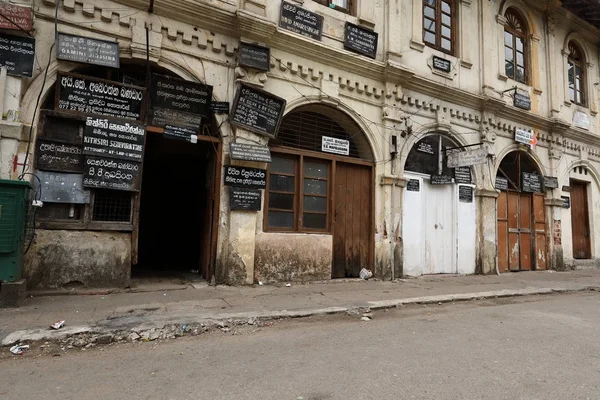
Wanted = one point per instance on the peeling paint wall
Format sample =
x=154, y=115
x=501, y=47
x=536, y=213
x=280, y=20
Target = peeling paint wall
x=91, y=259
x=292, y=257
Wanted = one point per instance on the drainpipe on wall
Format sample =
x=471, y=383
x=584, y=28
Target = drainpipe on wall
x=393, y=154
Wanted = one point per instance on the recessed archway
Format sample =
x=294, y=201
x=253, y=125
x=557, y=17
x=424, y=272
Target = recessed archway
x=521, y=214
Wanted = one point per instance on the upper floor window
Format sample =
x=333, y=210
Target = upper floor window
x=515, y=44
x=340, y=5
x=576, y=62
x=439, y=24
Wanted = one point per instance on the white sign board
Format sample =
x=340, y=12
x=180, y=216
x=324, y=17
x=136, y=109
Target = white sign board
x=523, y=136
x=467, y=158
x=335, y=146
x=581, y=120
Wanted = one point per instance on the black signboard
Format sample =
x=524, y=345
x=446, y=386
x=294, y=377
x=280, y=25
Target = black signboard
x=413, y=185
x=250, y=178
x=531, y=183
x=220, y=107
x=257, y=111
x=245, y=199
x=254, y=56
x=501, y=183
x=57, y=156
x=87, y=50
x=180, y=95
x=550, y=182
x=59, y=187
x=462, y=175
x=360, y=40
x=105, y=173
x=566, y=201
x=425, y=147
x=17, y=54
x=250, y=152
x=441, y=179
x=163, y=117
x=300, y=20
x=442, y=64
x=465, y=194
x=180, y=133
x=114, y=139
x=83, y=94
x=521, y=100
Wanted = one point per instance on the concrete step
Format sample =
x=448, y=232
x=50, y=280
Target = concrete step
x=583, y=264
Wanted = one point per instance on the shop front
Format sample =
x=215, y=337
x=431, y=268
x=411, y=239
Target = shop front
x=126, y=163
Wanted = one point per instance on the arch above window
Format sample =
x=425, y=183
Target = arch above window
x=515, y=46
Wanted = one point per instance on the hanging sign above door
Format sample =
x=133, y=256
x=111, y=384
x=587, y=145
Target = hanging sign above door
x=462, y=175
x=180, y=133
x=360, y=40
x=523, y=136
x=114, y=139
x=245, y=199
x=501, y=183
x=467, y=158
x=104, y=173
x=335, y=146
x=251, y=178
x=522, y=101
x=17, y=54
x=301, y=21
x=83, y=94
x=255, y=56
x=441, y=179
x=15, y=17
x=87, y=50
x=531, y=183
x=257, y=110
x=180, y=95
x=551, y=182
x=250, y=152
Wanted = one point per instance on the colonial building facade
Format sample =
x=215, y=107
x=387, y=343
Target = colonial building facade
x=413, y=137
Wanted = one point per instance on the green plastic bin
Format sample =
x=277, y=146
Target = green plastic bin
x=14, y=205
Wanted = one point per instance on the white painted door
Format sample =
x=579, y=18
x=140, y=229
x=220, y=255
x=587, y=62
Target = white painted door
x=412, y=226
x=439, y=227
x=466, y=229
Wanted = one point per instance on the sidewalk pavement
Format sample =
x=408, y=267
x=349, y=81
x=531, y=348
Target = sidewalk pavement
x=127, y=312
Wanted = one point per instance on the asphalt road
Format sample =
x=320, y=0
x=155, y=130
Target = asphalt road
x=529, y=348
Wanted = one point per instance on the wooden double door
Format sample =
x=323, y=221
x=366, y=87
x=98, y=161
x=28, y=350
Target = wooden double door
x=580, y=221
x=352, y=220
x=521, y=232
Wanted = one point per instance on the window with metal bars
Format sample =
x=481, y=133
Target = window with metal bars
x=345, y=6
x=298, y=194
x=439, y=20
x=111, y=206
x=576, y=63
x=515, y=46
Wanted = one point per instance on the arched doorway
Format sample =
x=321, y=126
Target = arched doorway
x=439, y=211
x=321, y=182
x=170, y=213
x=521, y=214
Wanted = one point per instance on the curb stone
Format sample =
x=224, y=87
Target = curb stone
x=171, y=326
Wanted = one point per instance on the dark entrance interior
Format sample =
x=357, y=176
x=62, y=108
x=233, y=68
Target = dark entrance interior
x=175, y=207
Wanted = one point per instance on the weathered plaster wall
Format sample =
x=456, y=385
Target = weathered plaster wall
x=285, y=257
x=94, y=259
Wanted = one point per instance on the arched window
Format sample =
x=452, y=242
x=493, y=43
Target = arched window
x=575, y=64
x=311, y=142
x=515, y=46
x=439, y=22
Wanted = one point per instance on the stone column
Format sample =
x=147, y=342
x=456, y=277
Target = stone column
x=488, y=235
x=554, y=206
